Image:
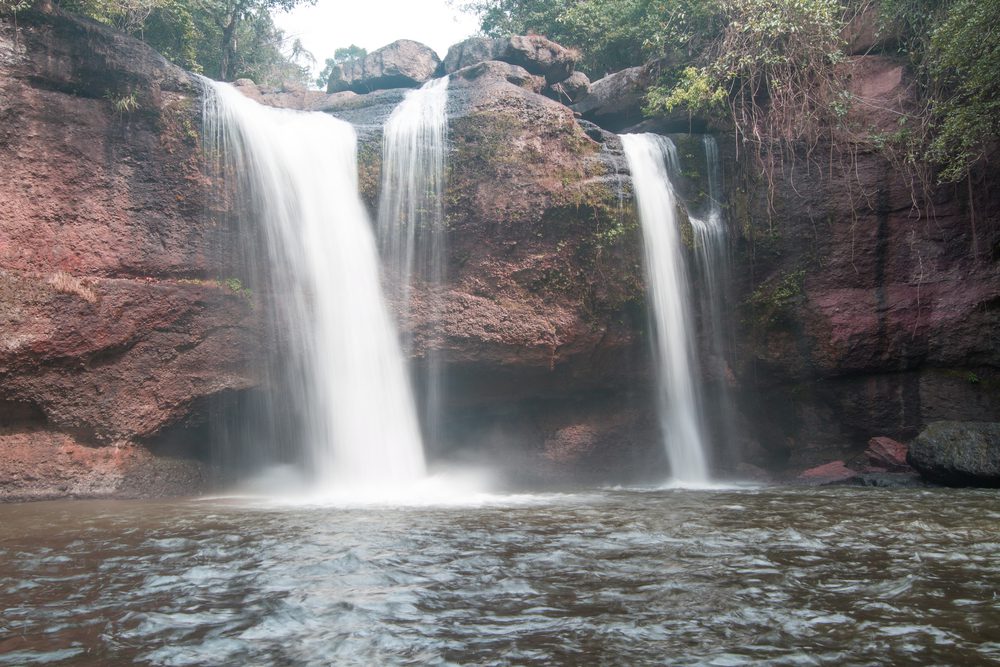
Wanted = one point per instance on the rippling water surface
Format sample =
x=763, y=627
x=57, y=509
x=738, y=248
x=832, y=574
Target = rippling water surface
x=779, y=576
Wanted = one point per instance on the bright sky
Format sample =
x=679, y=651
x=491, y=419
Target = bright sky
x=331, y=24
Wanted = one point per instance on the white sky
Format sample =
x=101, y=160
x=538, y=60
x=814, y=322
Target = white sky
x=331, y=24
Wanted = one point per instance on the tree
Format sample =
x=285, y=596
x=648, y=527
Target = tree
x=223, y=39
x=231, y=15
x=342, y=55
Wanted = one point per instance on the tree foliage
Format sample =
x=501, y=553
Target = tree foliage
x=340, y=56
x=770, y=67
x=223, y=39
x=954, y=46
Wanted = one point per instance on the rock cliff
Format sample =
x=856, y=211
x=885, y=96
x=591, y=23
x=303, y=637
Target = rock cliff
x=861, y=305
x=115, y=326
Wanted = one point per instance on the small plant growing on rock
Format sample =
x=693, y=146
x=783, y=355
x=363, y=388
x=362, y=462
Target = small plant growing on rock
x=123, y=104
x=67, y=284
x=235, y=286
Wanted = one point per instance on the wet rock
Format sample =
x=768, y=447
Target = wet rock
x=886, y=480
x=887, y=454
x=285, y=96
x=39, y=464
x=501, y=71
x=749, y=472
x=571, y=90
x=107, y=330
x=828, y=473
x=958, y=453
x=402, y=64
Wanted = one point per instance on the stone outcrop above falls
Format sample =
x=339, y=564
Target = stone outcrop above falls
x=538, y=55
x=114, y=328
x=570, y=90
x=402, y=64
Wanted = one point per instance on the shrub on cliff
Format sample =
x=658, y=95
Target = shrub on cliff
x=768, y=67
x=954, y=46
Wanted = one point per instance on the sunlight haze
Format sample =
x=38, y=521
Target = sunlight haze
x=329, y=25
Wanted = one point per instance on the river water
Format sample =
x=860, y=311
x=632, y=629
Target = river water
x=784, y=576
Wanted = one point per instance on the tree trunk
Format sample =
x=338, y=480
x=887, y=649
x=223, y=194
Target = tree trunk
x=228, y=60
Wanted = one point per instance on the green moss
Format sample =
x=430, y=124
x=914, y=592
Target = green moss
x=772, y=303
x=370, y=170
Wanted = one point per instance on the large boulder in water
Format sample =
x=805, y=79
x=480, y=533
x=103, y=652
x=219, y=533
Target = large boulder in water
x=887, y=454
x=958, y=453
x=402, y=64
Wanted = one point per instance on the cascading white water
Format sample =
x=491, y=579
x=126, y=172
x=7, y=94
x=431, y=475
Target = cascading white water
x=411, y=216
x=649, y=157
x=710, y=232
x=345, y=373
x=712, y=267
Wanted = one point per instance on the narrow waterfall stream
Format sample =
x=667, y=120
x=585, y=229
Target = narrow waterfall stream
x=712, y=268
x=678, y=397
x=411, y=220
x=345, y=374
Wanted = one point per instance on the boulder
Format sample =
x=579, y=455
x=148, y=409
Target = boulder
x=534, y=53
x=571, y=90
x=539, y=56
x=471, y=52
x=958, y=453
x=887, y=454
x=863, y=33
x=615, y=102
x=828, y=473
x=402, y=64
x=337, y=83
x=501, y=71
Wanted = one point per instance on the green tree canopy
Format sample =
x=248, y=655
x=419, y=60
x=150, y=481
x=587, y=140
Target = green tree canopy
x=770, y=67
x=340, y=56
x=223, y=39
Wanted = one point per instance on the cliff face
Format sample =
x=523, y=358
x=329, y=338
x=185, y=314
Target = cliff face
x=851, y=315
x=870, y=303
x=114, y=327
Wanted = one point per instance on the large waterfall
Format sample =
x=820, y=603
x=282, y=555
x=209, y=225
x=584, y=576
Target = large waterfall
x=411, y=220
x=650, y=157
x=343, y=371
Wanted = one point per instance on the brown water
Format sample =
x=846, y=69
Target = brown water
x=772, y=576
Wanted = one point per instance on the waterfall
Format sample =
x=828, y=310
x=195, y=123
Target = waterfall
x=678, y=397
x=712, y=270
x=343, y=374
x=411, y=220
x=710, y=237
